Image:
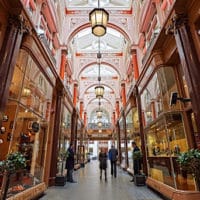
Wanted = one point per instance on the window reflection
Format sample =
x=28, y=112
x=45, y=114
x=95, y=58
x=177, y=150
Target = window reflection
x=157, y=101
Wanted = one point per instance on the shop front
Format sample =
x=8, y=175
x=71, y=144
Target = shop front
x=166, y=133
x=133, y=134
x=27, y=122
x=63, y=141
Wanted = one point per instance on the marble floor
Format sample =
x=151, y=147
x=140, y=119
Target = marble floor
x=89, y=187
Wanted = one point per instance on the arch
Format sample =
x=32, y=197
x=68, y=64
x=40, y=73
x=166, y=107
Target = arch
x=105, y=112
x=110, y=25
x=89, y=102
x=103, y=63
x=95, y=84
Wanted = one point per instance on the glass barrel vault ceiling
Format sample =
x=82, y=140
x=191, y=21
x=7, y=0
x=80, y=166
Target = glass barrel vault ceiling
x=108, y=4
x=112, y=42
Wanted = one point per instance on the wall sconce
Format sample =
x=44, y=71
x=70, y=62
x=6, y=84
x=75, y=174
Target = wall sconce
x=3, y=130
x=5, y=118
x=148, y=114
x=26, y=92
x=174, y=97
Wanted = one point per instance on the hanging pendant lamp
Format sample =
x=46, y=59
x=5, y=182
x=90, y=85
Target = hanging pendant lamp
x=99, y=19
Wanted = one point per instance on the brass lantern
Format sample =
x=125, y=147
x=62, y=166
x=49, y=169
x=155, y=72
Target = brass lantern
x=99, y=124
x=99, y=113
x=99, y=19
x=99, y=91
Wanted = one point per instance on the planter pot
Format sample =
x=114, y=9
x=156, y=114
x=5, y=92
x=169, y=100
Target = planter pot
x=60, y=180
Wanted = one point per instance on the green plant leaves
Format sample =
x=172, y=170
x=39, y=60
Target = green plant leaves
x=14, y=162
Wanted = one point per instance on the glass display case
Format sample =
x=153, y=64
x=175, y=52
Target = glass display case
x=165, y=140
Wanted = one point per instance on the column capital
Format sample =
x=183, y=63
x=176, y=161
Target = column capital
x=177, y=21
x=20, y=23
x=64, y=51
x=133, y=51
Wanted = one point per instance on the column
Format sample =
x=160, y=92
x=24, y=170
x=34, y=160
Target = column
x=135, y=64
x=85, y=119
x=189, y=60
x=125, y=138
x=55, y=138
x=123, y=93
x=117, y=109
x=141, y=125
x=114, y=118
x=81, y=109
x=119, y=142
x=63, y=64
x=153, y=110
x=75, y=94
x=74, y=126
x=8, y=56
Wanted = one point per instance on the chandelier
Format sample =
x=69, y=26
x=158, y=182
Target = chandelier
x=99, y=19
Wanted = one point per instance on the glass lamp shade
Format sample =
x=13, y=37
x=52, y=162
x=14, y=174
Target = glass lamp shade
x=99, y=91
x=99, y=19
x=99, y=124
x=99, y=113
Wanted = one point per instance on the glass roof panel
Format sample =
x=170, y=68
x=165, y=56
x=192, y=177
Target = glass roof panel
x=108, y=4
x=85, y=41
x=105, y=71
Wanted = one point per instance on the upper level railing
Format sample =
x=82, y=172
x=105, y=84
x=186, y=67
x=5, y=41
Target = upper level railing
x=44, y=41
x=95, y=126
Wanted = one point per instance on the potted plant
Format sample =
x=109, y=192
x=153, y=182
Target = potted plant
x=14, y=162
x=190, y=162
x=60, y=179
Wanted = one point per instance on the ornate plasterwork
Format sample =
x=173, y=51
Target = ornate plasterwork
x=77, y=21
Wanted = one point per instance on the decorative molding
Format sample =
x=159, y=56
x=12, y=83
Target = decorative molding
x=177, y=21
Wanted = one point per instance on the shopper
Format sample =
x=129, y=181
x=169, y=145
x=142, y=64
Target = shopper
x=113, y=155
x=103, y=162
x=70, y=163
x=136, y=159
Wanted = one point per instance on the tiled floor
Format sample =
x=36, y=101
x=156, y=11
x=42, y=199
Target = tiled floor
x=89, y=187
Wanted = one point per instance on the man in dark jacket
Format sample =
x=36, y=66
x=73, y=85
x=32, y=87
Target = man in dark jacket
x=136, y=159
x=70, y=163
x=113, y=154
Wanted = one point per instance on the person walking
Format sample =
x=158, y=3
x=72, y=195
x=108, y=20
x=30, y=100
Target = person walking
x=136, y=159
x=113, y=155
x=70, y=163
x=103, y=162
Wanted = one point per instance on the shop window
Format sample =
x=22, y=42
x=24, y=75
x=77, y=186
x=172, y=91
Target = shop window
x=132, y=128
x=184, y=84
x=16, y=83
x=64, y=139
x=28, y=104
x=165, y=140
x=155, y=98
